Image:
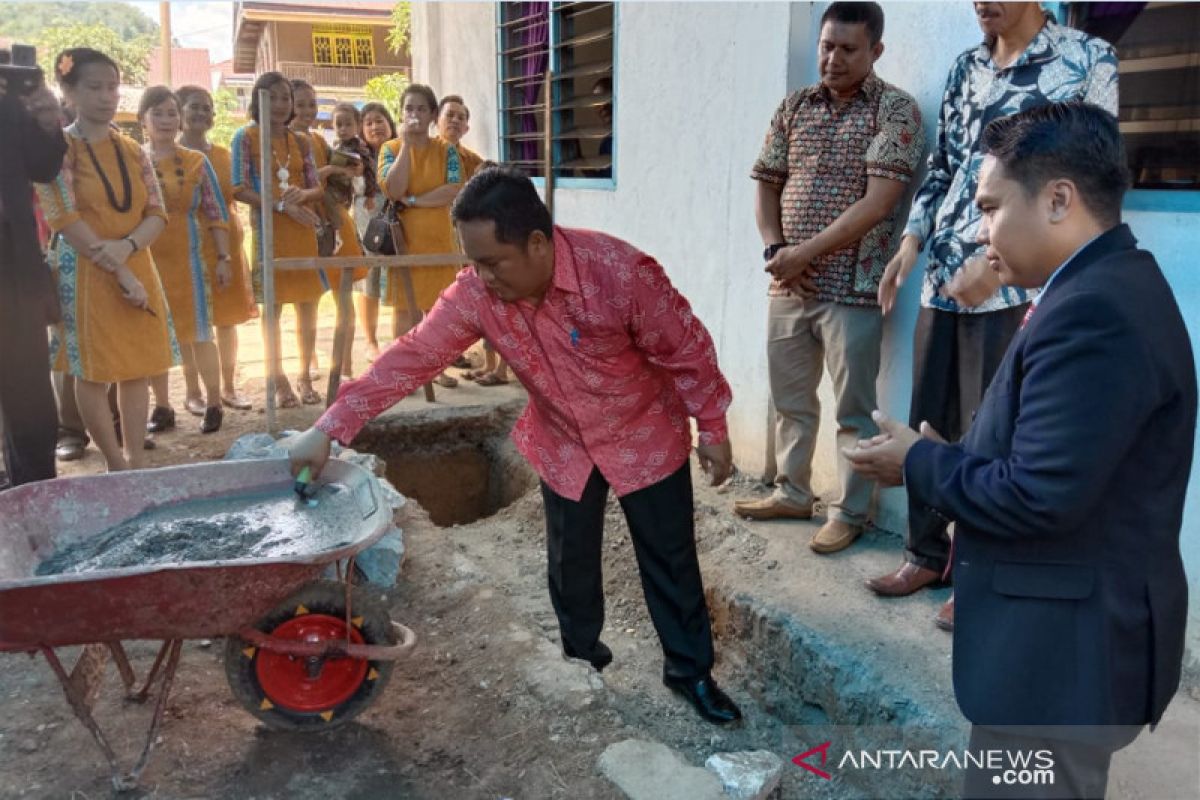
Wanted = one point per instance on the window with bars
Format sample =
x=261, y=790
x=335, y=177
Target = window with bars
x=343, y=45
x=572, y=43
x=1159, y=49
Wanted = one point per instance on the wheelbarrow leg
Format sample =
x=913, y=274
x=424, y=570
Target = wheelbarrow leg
x=171, y=650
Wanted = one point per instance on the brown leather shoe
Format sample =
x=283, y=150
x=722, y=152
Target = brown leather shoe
x=945, y=616
x=834, y=535
x=773, y=507
x=904, y=581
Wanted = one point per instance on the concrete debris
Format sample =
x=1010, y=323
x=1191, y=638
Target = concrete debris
x=568, y=683
x=652, y=771
x=748, y=775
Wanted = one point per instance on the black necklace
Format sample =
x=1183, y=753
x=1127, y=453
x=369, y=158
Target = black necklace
x=126, y=188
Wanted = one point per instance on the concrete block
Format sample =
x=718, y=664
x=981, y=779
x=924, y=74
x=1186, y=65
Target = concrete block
x=652, y=771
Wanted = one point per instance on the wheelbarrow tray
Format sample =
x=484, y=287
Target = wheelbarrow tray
x=185, y=600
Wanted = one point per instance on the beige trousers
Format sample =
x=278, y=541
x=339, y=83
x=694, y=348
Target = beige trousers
x=803, y=338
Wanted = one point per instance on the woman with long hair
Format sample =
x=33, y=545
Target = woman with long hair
x=296, y=187
x=192, y=198
x=233, y=304
x=108, y=209
x=376, y=128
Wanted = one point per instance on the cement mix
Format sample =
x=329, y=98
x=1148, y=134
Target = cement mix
x=259, y=525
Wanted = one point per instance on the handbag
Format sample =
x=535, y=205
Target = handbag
x=385, y=235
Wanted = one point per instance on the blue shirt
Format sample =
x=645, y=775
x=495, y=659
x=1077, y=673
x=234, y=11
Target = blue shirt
x=1060, y=64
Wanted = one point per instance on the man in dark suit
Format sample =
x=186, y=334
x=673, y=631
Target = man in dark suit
x=32, y=144
x=1067, y=492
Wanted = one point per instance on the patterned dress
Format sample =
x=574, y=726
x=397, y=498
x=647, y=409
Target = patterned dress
x=234, y=304
x=426, y=230
x=292, y=240
x=194, y=204
x=103, y=338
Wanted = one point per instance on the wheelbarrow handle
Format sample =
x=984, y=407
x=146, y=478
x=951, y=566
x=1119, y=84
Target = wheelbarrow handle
x=407, y=640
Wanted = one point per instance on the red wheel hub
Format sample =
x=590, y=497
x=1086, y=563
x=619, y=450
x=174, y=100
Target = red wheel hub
x=300, y=684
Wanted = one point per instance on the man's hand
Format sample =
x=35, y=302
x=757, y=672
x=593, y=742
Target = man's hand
x=309, y=449
x=717, y=461
x=973, y=284
x=897, y=271
x=792, y=267
x=881, y=458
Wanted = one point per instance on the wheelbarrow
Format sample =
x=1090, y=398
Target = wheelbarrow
x=301, y=652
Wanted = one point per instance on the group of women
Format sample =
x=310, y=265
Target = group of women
x=149, y=256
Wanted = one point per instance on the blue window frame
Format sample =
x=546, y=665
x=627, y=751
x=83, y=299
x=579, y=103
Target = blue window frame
x=575, y=43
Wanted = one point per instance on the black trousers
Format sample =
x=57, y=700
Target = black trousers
x=26, y=397
x=1079, y=770
x=661, y=526
x=954, y=359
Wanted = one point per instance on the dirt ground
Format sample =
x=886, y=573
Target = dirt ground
x=486, y=707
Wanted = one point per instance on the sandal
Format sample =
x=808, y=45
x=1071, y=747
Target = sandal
x=490, y=379
x=372, y=352
x=195, y=406
x=237, y=401
x=284, y=396
x=473, y=374
x=308, y=395
x=446, y=381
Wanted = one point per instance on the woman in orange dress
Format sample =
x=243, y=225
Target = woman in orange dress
x=233, y=304
x=107, y=208
x=296, y=187
x=194, y=203
x=423, y=174
x=336, y=214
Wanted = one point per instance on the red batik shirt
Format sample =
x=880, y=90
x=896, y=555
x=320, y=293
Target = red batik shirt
x=613, y=359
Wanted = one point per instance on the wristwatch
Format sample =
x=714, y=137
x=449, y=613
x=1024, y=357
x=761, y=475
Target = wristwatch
x=772, y=249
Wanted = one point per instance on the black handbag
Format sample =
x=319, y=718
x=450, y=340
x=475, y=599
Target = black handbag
x=384, y=235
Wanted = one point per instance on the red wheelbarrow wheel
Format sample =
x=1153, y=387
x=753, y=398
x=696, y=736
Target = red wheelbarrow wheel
x=298, y=693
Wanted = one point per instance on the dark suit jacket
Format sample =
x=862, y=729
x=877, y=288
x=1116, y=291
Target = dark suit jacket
x=29, y=154
x=1068, y=492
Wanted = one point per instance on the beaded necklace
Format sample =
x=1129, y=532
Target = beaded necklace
x=126, y=184
x=179, y=176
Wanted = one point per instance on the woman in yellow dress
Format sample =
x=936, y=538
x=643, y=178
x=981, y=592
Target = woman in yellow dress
x=107, y=208
x=423, y=174
x=194, y=203
x=233, y=304
x=335, y=213
x=296, y=186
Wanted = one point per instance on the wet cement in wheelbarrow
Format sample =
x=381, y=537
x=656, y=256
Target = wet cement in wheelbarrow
x=259, y=525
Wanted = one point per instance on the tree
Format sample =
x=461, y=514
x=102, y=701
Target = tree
x=398, y=36
x=387, y=89
x=226, y=119
x=24, y=22
x=131, y=55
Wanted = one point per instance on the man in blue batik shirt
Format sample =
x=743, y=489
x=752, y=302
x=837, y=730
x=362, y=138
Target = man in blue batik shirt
x=1025, y=60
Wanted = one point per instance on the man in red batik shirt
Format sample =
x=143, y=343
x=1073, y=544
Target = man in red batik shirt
x=615, y=364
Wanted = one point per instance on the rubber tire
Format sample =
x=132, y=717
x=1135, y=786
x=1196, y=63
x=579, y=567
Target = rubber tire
x=320, y=597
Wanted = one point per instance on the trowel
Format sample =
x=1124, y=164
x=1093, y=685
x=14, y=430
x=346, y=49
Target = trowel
x=304, y=488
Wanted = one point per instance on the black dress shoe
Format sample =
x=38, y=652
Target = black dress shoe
x=162, y=419
x=212, y=419
x=600, y=657
x=706, y=697
x=70, y=449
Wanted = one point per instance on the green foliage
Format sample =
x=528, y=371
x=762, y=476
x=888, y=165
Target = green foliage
x=131, y=55
x=387, y=89
x=24, y=22
x=399, y=36
x=226, y=117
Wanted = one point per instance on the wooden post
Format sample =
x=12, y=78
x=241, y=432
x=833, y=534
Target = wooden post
x=345, y=313
x=414, y=316
x=267, y=242
x=164, y=25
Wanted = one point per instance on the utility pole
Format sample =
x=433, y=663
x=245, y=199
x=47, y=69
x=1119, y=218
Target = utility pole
x=164, y=25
